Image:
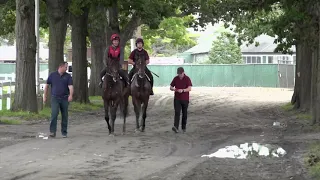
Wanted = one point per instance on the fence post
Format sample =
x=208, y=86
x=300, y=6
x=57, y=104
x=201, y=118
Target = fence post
x=9, y=97
x=0, y=96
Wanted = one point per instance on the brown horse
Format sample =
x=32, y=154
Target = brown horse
x=140, y=92
x=114, y=94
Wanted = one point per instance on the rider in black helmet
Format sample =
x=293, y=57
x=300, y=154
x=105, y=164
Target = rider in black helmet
x=140, y=52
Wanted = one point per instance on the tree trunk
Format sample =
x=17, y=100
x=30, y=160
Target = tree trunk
x=316, y=78
x=97, y=35
x=25, y=89
x=302, y=93
x=315, y=86
x=57, y=13
x=295, y=100
x=79, y=56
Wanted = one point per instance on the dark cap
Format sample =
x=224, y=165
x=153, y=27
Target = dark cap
x=180, y=70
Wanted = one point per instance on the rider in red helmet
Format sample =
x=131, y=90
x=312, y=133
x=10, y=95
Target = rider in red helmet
x=113, y=52
x=140, y=52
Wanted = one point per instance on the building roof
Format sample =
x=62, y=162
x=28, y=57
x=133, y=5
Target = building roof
x=266, y=45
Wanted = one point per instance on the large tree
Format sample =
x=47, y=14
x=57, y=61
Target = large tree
x=79, y=33
x=97, y=29
x=25, y=89
x=58, y=16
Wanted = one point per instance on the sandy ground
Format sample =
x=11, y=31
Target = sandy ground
x=218, y=117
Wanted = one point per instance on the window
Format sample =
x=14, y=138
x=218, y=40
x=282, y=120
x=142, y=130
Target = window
x=264, y=59
x=249, y=60
x=270, y=59
x=254, y=59
x=259, y=60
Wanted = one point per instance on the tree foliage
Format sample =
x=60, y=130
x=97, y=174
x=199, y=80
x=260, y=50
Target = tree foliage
x=225, y=50
x=8, y=18
x=170, y=38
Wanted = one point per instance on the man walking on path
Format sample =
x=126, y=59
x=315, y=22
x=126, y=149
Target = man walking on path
x=61, y=94
x=181, y=85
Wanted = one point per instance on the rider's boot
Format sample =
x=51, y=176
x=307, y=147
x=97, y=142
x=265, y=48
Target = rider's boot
x=151, y=93
x=100, y=83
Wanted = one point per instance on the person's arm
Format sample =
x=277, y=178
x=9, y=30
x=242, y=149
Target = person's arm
x=46, y=87
x=172, y=85
x=189, y=84
x=105, y=56
x=130, y=60
x=70, y=86
x=147, y=58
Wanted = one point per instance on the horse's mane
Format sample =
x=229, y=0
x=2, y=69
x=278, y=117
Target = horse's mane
x=112, y=64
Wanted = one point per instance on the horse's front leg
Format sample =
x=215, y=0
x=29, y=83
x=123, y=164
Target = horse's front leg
x=137, y=108
x=144, y=114
x=106, y=114
x=113, y=112
x=123, y=108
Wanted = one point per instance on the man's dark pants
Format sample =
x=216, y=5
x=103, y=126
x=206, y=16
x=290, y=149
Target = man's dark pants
x=57, y=104
x=180, y=105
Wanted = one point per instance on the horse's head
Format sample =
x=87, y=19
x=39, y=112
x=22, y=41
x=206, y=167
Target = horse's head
x=141, y=65
x=113, y=69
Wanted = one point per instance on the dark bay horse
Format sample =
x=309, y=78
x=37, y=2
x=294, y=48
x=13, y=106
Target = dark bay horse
x=114, y=94
x=140, y=92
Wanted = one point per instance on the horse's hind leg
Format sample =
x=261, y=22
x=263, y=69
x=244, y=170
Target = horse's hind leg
x=137, y=108
x=106, y=114
x=144, y=115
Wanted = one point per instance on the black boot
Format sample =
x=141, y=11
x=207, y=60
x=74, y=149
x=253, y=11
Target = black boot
x=100, y=83
x=151, y=93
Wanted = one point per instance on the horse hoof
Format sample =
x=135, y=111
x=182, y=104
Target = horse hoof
x=111, y=135
x=136, y=130
x=141, y=129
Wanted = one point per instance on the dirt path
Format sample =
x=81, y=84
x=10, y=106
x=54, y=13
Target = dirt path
x=218, y=117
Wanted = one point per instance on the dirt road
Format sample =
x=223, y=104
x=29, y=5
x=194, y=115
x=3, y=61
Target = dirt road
x=218, y=117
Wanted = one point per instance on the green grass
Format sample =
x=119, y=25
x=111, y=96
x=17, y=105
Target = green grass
x=304, y=116
x=287, y=107
x=95, y=98
x=312, y=160
x=96, y=104
x=10, y=121
x=300, y=115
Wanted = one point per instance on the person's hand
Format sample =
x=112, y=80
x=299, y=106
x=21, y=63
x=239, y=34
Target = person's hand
x=173, y=89
x=44, y=99
x=69, y=98
x=180, y=90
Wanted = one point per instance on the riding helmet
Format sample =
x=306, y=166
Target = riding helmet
x=139, y=40
x=115, y=37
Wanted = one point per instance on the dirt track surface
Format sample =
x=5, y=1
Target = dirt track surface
x=218, y=117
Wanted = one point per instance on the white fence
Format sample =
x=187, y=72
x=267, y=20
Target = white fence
x=7, y=89
x=7, y=95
